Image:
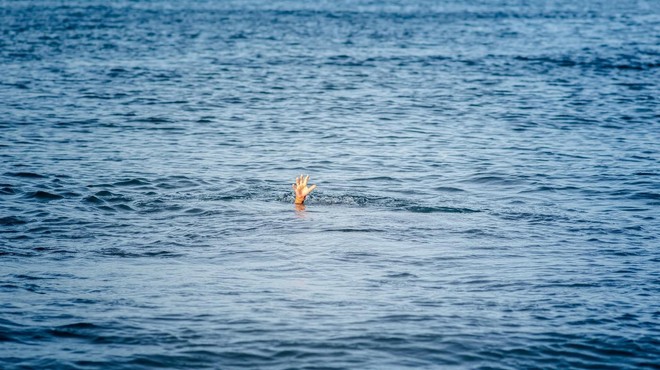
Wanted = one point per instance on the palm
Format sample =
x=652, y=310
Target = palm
x=301, y=189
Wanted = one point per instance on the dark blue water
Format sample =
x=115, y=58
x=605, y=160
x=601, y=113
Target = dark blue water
x=488, y=184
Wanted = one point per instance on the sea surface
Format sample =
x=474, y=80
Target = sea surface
x=488, y=184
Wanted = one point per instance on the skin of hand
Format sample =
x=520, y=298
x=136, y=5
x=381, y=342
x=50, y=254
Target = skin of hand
x=301, y=189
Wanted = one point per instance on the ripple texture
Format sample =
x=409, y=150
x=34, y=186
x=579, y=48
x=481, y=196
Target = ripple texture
x=488, y=184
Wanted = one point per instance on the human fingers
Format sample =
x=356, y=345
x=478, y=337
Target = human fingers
x=312, y=188
x=294, y=186
x=306, y=179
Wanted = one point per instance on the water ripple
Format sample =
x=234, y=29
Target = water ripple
x=487, y=184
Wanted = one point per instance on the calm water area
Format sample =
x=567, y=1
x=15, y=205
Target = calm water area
x=488, y=184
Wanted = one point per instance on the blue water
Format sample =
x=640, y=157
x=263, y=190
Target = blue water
x=488, y=184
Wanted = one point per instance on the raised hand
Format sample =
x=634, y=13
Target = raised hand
x=301, y=189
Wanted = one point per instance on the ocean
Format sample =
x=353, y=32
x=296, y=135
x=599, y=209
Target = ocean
x=488, y=181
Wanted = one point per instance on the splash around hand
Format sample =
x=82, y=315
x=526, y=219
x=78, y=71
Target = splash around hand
x=301, y=189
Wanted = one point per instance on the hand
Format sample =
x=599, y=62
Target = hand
x=301, y=190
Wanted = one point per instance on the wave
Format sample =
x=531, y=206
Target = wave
x=123, y=253
x=645, y=195
x=7, y=189
x=133, y=182
x=93, y=199
x=587, y=60
x=391, y=203
x=187, y=202
x=43, y=195
x=28, y=175
x=11, y=221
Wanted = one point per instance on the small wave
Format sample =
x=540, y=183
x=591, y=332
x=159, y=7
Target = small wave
x=93, y=199
x=44, y=195
x=11, y=221
x=118, y=252
x=346, y=199
x=495, y=180
x=194, y=211
x=132, y=182
x=401, y=275
x=530, y=216
x=7, y=190
x=449, y=189
x=123, y=207
x=110, y=197
x=102, y=185
x=645, y=195
x=115, y=72
x=354, y=230
x=395, y=204
x=176, y=182
x=48, y=276
x=104, y=193
x=28, y=175
x=622, y=62
x=97, y=96
x=232, y=197
x=30, y=287
x=427, y=209
x=79, y=325
x=379, y=178
x=77, y=330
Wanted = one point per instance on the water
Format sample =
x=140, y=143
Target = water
x=488, y=184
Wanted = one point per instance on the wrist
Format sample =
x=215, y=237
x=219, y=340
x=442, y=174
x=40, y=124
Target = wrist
x=300, y=200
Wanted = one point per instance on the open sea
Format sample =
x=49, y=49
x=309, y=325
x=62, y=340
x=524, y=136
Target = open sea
x=488, y=184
